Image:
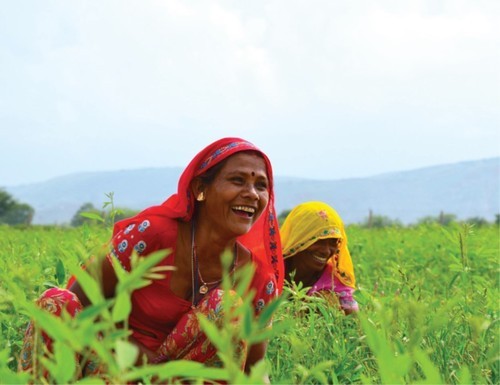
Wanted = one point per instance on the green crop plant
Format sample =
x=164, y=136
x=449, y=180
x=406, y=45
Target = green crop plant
x=428, y=298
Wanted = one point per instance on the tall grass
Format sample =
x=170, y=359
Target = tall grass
x=429, y=313
x=428, y=297
x=93, y=334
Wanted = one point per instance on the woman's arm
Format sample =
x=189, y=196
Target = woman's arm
x=108, y=283
x=256, y=353
x=108, y=280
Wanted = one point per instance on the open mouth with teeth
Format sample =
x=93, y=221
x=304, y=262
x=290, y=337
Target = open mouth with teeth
x=320, y=258
x=244, y=211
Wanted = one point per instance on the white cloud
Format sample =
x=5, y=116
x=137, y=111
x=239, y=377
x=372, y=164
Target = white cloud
x=295, y=77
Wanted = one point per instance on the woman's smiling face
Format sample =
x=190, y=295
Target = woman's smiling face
x=316, y=256
x=237, y=196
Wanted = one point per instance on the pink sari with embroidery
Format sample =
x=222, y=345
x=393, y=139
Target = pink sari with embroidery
x=329, y=282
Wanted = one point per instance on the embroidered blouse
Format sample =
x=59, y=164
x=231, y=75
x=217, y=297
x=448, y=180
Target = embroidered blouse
x=155, y=308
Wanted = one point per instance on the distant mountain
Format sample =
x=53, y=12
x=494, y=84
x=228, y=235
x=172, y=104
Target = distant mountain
x=466, y=189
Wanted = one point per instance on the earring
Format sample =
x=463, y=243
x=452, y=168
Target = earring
x=200, y=197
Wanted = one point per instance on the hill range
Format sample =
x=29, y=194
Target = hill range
x=466, y=189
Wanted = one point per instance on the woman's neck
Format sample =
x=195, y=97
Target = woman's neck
x=209, y=246
x=308, y=278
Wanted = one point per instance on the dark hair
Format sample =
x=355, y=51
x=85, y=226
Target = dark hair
x=208, y=176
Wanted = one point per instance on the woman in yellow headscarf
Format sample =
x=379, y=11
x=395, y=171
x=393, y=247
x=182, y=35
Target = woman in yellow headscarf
x=315, y=249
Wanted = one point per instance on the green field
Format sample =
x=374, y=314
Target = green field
x=429, y=298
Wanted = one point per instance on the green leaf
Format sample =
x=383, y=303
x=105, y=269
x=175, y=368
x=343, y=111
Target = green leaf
x=57, y=328
x=92, y=311
x=266, y=334
x=268, y=311
x=141, y=266
x=464, y=376
x=122, y=307
x=430, y=371
x=211, y=331
x=9, y=377
x=91, y=215
x=243, y=278
x=126, y=354
x=65, y=362
x=247, y=323
x=91, y=381
x=60, y=272
x=89, y=285
x=178, y=369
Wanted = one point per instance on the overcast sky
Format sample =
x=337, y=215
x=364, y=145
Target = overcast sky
x=329, y=89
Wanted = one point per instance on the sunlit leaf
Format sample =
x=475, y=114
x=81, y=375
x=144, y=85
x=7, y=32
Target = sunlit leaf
x=126, y=354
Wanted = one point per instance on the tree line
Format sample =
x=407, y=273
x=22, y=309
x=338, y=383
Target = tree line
x=13, y=212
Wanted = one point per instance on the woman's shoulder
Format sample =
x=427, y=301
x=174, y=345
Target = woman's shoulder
x=142, y=234
x=146, y=226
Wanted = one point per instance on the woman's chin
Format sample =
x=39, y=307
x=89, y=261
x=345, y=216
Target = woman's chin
x=241, y=230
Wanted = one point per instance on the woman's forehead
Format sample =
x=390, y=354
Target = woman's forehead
x=248, y=162
x=327, y=241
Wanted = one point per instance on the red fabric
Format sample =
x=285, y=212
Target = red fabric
x=156, y=309
x=262, y=240
x=150, y=303
x=55, y=301
x=188, y=341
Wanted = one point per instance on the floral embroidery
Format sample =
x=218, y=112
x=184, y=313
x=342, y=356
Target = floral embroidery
x=56, y=301
x=221, y=151
x=323, y=215
x=115, y=255
x=260, y=304
x=273, y=244
x=140, y=246
x=123, y=246
x=129, y=228
x=330, y=231
x=270, y=287
x=143, y=226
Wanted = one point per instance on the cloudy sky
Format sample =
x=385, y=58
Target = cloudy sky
x=329, y=89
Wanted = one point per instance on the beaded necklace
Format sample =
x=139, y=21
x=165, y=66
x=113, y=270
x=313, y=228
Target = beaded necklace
x=196, y=276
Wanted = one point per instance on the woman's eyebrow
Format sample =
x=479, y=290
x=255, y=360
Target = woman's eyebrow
x=252, y=173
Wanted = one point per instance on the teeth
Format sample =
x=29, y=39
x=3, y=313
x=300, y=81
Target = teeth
x=246, y=209
x=319, y=258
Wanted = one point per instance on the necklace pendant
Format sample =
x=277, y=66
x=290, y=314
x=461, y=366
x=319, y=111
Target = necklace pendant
x=203, y=289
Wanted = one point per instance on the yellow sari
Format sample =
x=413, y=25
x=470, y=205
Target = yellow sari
x=311, y=221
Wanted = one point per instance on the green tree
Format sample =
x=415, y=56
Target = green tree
x=79, y=220
x=443, y=219
x=282, y=216
x=380, y=221
x=13, y=212
x=6, y=202
x=477, y=221
x=123, y=213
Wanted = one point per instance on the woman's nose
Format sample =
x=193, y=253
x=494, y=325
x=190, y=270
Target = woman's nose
x=251, y=191
x=332, y=249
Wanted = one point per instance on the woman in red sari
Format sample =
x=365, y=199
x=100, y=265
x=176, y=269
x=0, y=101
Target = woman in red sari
x=225, y=200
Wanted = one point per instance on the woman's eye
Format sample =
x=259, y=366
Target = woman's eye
x=237, y=180
x=261, y=185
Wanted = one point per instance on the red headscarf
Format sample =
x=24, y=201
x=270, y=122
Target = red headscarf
x=263, y=238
